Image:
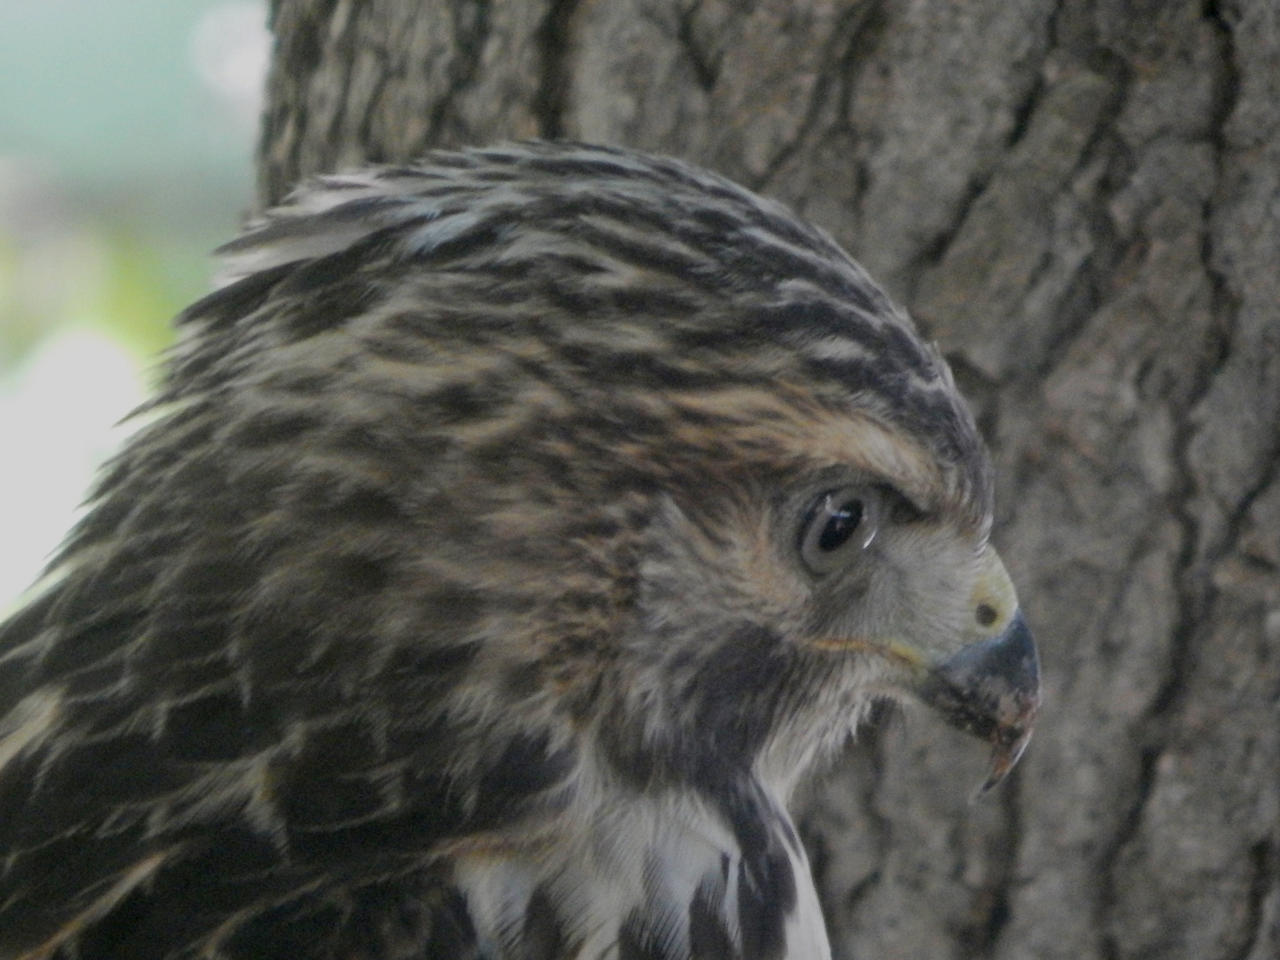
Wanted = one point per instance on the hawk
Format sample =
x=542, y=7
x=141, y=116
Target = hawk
x=511, y=534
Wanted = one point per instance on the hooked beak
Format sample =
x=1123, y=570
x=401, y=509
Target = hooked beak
x=991, y=689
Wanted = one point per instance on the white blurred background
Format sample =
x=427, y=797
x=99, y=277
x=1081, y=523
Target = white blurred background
x=126, y=140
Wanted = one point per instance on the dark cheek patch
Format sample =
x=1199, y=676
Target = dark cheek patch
x=708, y=936
x=638, y=940
x=526, y=768
x=766, y=881
x=544, y=936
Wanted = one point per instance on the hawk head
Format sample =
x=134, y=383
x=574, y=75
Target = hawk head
x=512, y=533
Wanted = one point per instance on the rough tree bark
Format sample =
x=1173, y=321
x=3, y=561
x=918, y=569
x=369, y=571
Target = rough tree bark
x=1081, y=201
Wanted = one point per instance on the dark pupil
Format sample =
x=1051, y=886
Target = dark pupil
x=840, y=525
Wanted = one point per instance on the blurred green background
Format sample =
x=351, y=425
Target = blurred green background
x=126, y=140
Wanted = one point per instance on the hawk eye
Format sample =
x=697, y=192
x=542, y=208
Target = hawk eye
x=840, y=525
x=839, y=521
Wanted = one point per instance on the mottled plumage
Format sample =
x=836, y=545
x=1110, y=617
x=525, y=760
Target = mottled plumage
x=511, y=534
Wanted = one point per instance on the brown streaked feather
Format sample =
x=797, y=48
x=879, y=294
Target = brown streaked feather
x=454, y=536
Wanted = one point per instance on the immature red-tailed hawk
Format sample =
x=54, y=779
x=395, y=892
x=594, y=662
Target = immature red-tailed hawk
x=513, y=532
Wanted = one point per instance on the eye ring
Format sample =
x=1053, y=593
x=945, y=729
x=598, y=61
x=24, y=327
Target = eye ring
x=839, y=523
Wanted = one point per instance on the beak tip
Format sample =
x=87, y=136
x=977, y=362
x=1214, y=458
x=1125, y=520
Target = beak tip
x=992, y=690
x=1005, y=754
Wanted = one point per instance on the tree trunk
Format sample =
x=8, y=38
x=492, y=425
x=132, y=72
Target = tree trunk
x=1081, y=202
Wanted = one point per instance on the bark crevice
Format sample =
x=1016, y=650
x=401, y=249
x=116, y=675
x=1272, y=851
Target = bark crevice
x=555, y=42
